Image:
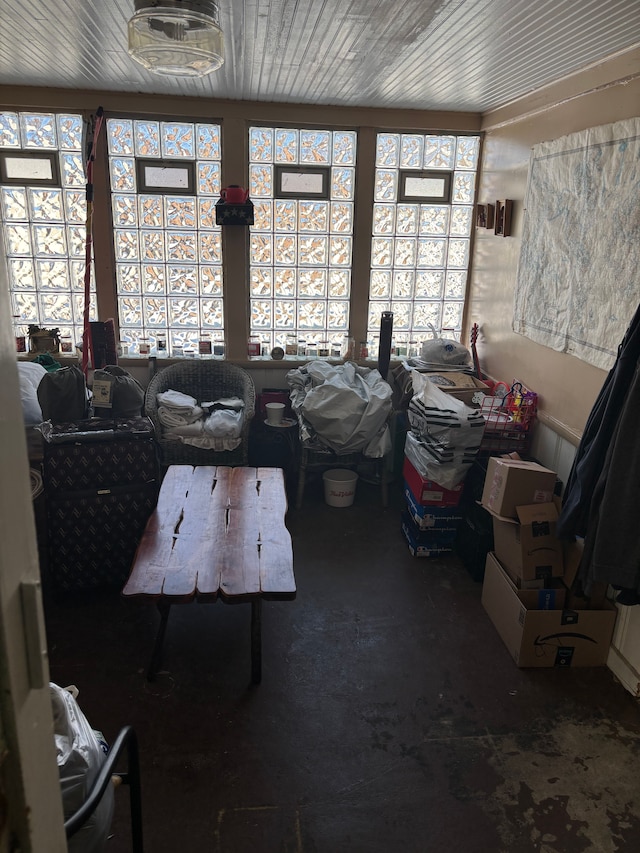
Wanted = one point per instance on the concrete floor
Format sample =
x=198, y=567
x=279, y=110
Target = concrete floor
x=390, y=716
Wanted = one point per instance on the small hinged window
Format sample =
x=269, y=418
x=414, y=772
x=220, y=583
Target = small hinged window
x=28, y=169
x=166, y=176
x=427, y=187
x=302, y=182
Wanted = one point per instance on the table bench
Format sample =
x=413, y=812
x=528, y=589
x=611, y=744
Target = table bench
x=217, y=532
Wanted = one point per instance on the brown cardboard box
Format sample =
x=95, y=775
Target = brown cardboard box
x=528, y=547
x=545, y=638
x=462, y=386
x=510, y=483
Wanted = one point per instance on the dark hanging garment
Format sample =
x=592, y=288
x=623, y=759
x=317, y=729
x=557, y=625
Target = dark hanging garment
x=589, y=463
x=612, y=544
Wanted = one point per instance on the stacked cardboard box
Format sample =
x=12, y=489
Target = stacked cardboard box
x=431, y=518
x=529, y=597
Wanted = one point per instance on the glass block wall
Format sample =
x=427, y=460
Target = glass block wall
x=420, y=251
x=168, y=248
x=44, y=227
x=301, y=248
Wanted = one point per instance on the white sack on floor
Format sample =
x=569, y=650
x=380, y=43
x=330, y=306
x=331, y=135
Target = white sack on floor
x=79, y=757
x=344, y=406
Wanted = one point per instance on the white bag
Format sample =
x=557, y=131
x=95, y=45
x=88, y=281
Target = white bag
x=445, y=433
x=80, y=757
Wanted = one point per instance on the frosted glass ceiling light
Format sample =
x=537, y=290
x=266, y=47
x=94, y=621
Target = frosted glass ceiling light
x=178, y=38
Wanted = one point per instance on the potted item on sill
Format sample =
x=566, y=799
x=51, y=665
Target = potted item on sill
x=44, y=340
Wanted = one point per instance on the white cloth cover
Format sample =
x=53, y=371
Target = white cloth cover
x=344, y=407
x=29, y=375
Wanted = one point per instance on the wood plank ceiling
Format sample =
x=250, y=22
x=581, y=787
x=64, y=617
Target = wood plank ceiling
x=462, y=55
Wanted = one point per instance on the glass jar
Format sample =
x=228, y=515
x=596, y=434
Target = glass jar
x=302, y=348
x=323, y=349
x=161, y=343
x=204, y=345
x=291, y=346
x=253, y=347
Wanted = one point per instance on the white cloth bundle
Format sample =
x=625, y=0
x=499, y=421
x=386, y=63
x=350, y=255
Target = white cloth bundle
x=234, y=403
x=171, y=418
x=223, y=423
x=176, y=400
x=209, y=442
x=191, y=430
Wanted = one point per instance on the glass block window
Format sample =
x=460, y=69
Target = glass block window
x=165, y=181
x=302, y=187
x=43, y=214
x=420, y=242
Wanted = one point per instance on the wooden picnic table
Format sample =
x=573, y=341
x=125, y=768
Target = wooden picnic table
x=217, y=532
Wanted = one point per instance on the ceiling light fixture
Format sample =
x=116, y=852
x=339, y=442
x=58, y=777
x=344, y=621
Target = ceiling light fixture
x=177, y=38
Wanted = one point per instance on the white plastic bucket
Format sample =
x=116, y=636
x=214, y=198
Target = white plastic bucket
x=339, y=486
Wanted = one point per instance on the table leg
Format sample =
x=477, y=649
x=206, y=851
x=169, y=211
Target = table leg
x=156, y=658
x=256, y=641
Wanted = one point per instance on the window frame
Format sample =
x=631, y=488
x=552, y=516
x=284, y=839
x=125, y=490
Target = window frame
x=235, y=118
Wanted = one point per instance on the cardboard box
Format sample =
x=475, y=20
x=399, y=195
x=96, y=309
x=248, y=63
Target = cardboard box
x=519, y=583
x=511, y=483
x=545, y=637
x=428, y=493
x=431, y=517
x=528, y=546
x=433, y=543
x=462, y=386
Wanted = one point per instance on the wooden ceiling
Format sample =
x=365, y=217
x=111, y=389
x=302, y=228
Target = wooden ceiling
x=460, y=55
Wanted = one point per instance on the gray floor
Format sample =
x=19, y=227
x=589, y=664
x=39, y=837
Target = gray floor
x=390, y=716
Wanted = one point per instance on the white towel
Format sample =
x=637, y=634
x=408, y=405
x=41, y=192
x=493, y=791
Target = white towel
x=176, y=399
x=169, y=417
x=192, y=430
x=208, y=442
x=234, y=403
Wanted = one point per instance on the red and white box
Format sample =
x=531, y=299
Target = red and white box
x=428, y=493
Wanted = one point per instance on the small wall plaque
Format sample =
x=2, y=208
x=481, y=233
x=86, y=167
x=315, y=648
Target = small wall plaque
x=485, y=215
x=504, y=208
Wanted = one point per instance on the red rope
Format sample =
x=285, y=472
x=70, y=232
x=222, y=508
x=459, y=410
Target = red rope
x=86, y=336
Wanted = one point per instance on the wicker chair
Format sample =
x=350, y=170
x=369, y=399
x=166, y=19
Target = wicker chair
x=204, y=380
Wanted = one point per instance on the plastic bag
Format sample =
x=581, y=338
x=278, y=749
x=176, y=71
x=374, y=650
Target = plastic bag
x=444, y=351
x=446, y=434
x=116, y=394
x=345, y=407
x=80, y=756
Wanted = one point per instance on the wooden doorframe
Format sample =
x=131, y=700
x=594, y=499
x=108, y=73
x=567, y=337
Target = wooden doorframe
x=29, y=783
